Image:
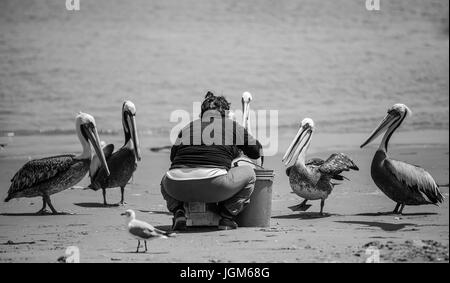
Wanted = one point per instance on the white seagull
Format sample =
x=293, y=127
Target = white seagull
x=141, y=230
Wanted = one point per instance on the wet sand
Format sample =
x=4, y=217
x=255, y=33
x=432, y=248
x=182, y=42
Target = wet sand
x=356, y=218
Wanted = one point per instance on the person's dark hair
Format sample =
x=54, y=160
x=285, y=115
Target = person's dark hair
x=218, y=103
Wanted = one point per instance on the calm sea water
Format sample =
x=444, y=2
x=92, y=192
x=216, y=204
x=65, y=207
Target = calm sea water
x=330, y=60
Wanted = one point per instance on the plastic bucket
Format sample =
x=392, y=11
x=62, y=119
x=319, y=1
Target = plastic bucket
x=258, y=211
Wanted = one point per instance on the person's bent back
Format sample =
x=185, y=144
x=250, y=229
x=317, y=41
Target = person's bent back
x=201, y=162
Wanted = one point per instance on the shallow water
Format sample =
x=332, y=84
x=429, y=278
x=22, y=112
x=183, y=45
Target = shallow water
x=330, y=60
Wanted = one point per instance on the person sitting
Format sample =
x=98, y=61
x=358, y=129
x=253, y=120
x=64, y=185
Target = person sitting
x=201, y=160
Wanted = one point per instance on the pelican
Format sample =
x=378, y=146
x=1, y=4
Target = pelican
x=246, y=99
x=311, y=180
x=141, y=230
x=404, y=183
x=48, y=176
x=123, y=162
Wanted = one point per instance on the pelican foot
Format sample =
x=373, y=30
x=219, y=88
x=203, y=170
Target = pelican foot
x=300, y=207
x=43, y=212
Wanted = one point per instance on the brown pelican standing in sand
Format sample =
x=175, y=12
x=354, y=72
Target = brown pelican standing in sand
x=47, y=176
x=121, y=163
x=403, y=183
x=311, y=180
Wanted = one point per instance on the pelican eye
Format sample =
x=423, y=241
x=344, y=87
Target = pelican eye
x=89, y=124
x=393, y=112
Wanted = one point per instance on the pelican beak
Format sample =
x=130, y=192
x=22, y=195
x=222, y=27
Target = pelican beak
x=134, y=137
x=294, y=148
x=245, y=113
x=123, y=214
x=382, y=127
x=92, y=135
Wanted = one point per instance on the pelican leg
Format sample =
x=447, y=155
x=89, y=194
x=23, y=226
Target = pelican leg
x=303, y=202
x=48, y=201
x=145, y=243
x=44, y=207
x=139, y=244
x=396, y=208
x=104, y=196
x=122, y=191
x=322, y=204
x=401, y=209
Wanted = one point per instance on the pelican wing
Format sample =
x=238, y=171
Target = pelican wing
x=416, y=179
x=336, y=164
x=310, y=162
x=288, y=170
x=315, y=161
x=38, y=171
x=95, y=162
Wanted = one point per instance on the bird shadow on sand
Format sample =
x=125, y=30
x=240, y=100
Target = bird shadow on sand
x=35, y=214
x=149, y=252
x=388, y=227
x=95, y=205
x=155, y=212
x=390, y=213
x=189, y=230
x=304, y=215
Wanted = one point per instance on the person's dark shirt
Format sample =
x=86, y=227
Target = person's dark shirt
x=219, y=144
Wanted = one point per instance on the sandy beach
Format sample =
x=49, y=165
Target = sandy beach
x=356, y=218
x=333, y=61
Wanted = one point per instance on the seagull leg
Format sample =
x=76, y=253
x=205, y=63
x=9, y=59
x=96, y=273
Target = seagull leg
x=396, y=208
x=145, y=243
x=47, y=200
x=401, y=209
x=322, y=204
x=44, y=206
x=139, y=244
